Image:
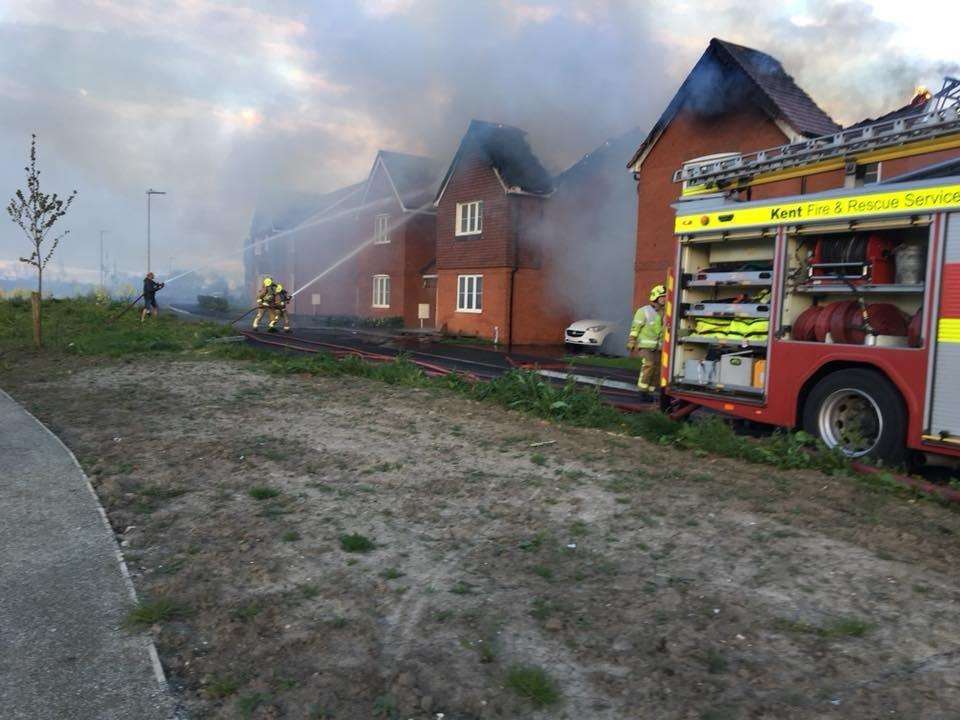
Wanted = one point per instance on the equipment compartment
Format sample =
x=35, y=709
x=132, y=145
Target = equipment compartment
x=717, y=309
x=864, y=307
x=723, y=315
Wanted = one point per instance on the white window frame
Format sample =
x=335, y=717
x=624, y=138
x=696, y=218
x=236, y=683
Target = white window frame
x=381, y=229
x=470, y=293
x=381, y=291
x=469, y=218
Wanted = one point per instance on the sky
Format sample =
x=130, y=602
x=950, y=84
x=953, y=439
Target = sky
x=229, y=105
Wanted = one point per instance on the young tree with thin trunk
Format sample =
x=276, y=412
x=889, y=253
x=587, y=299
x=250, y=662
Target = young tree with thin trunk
x=36, y=213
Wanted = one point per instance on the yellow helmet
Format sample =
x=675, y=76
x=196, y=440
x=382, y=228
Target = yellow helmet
x=267, y=282
x=279, y=288
x=657, y=292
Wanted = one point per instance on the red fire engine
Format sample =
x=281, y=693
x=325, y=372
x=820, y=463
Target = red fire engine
x=836, y=312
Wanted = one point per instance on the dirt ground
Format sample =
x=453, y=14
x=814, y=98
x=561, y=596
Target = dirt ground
x=644, y=581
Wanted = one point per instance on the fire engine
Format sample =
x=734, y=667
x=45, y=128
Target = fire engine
x=836, y=312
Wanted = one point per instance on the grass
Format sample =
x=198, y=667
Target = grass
x=625, y=363
x=290, y=536
x=836, y=628
x=222, y=686
x=533, y=684
x=80, y=327
x=156, y=611
x=85, y=326
x=247, y=704
x=356, y=543
x=262, y=492
x=247, y=612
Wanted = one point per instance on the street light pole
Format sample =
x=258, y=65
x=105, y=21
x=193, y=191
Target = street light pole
x=150, y=193
x=102, y=286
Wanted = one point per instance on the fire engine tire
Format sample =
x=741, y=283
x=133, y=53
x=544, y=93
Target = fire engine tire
x=859, y=412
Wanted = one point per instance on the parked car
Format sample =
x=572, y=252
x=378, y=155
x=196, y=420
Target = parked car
x=589, y=333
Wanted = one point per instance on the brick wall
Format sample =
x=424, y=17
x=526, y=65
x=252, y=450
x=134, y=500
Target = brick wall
x=496, y=288
x=687, y=136
x=472, y=180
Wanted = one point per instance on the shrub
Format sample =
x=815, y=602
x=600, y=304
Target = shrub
x=356, y=543
x=533, y=684
x=213, y=303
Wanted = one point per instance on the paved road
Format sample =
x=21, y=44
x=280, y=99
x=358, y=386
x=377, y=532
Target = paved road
x=63, y=652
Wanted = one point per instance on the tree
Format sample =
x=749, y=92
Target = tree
x=36, y=213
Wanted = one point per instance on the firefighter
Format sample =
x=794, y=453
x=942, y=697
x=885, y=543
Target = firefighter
x=280, y=298
x=150, y=287
x=646, y=338
x=265, y=301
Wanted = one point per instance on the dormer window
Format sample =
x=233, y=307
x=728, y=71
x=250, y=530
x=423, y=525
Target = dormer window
x=381, y=229
x=470, y=218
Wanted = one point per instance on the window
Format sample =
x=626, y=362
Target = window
x=867, y=174
x=381, y=230
x=315, y=299
x=470, y=218
x=469, y=293
x=381, y=291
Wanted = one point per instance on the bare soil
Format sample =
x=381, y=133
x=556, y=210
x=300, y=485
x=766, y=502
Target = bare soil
x=646, y=582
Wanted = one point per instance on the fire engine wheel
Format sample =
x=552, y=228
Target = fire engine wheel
x=860, y=413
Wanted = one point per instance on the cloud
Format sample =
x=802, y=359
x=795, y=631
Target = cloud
x=223, y=104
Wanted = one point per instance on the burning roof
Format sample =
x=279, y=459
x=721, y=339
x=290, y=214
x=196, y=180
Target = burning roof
x=727, y=74
x=506, y=149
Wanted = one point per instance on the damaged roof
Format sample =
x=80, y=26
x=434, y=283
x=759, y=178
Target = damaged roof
x=613, y=148
x=506, y=149
x=774, y=90
x=414, y=177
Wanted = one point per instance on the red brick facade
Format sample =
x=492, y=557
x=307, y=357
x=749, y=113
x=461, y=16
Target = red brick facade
x=518, y=304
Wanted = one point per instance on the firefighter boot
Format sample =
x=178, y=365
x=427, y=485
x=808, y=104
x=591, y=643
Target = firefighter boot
x=257, y=318
x=272, y=325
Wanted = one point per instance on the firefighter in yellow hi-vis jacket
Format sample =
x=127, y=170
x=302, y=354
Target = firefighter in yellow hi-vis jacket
x=265, y=300
x=646, y=338
x=280, y=299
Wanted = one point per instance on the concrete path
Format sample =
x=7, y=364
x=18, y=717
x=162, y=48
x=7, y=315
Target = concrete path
x=64, y=654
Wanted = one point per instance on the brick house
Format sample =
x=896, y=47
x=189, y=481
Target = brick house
x=735, y=99
x=490, y=279
x=296, y=240
x=396, y=224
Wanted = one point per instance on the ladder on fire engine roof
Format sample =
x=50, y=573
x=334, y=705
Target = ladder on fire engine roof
x=942, y=117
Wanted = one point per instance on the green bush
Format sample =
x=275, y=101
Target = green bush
x=213, y=303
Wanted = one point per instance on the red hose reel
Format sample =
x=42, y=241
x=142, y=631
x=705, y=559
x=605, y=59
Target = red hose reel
x=848, y=323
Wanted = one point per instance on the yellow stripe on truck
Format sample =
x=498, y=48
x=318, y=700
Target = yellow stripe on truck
x=948, y=330
x=900, y=202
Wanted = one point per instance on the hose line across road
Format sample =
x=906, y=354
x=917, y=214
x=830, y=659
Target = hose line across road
x=64, y=592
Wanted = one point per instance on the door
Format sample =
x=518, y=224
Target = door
x=427, y=302
x=944, y=416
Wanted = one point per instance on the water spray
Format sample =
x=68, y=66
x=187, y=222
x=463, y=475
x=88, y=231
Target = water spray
x=365, y=243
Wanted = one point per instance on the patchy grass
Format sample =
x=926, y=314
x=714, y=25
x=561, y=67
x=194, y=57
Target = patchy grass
x=356, y=543
x=151, y=612
x=290, y=536
x=262, y=492
x=533, y=684
x=835, y=628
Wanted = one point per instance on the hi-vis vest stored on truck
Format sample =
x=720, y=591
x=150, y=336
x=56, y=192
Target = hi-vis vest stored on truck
x=837, y=312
